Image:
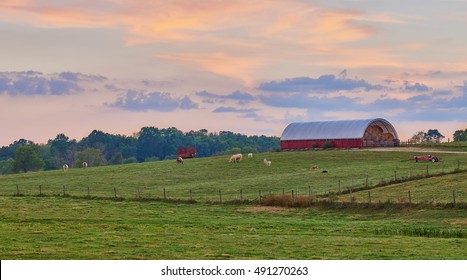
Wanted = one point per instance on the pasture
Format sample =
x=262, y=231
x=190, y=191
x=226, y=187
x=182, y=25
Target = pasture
x=65, y=228
x=204, y=178
x=118, y=220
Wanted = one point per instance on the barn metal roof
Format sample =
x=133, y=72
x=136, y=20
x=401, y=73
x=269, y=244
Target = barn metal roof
x=349, y=129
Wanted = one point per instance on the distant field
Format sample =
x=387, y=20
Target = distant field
x=451, y=146
x=64, y=223
x=206, y=177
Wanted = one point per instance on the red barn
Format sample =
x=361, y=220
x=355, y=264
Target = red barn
x=342, y=134
x=187, y=152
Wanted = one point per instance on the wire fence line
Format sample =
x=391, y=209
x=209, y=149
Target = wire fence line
x=292, y=198
x=357, y=189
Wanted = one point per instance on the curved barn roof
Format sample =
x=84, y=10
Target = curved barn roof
x=351, y=129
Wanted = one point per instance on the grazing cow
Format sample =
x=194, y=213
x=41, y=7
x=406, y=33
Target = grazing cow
x=236, y=158
x=65, y=167
x=267, y=162
x=250, y=155
x=84, y=164
x=180, y=160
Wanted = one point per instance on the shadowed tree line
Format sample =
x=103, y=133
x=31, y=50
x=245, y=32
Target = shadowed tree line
x=149, y=144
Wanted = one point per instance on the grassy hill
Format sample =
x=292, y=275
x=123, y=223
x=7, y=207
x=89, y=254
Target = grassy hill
x=74, y=226
x=205, y=177
x=437, y=189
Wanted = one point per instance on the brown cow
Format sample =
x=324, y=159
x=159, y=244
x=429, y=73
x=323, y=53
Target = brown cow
x=180, y=160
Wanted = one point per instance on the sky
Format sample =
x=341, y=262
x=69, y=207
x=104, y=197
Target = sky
x=251, y=67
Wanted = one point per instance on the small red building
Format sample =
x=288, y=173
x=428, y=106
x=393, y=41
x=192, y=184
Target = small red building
x=187, y=152
x=342, y=134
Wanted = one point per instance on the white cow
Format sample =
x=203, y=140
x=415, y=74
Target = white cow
x=250, y=155
x=65, y=167
x=84, y=164
x=236, y=158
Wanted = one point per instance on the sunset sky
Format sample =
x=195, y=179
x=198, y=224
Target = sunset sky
x=252, y=67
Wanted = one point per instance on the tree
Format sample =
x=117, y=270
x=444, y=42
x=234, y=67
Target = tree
x=6, y=166
x=27, y=159
x=460, y=135
x=63, y=149
x=93, y=157
x=9, y=152
x=419, y=137
x=116, y=159
x=434, y=136
x=150, y=143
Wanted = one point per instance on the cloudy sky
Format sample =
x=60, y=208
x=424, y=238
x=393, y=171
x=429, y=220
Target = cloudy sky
x=71, y=66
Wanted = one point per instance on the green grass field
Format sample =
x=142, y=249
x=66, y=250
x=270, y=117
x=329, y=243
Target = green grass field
x=205, y=177
x=64, y=228
x=54, y=226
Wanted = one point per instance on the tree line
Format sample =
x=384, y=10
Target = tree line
x=149, y=144
x=434, y=136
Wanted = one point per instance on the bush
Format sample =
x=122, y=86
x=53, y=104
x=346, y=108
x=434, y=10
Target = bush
x=287, y=201
x=130, y=160
x=328, y=145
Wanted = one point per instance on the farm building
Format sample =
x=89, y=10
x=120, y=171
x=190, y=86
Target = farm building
x=342, y=134
x=187, y=152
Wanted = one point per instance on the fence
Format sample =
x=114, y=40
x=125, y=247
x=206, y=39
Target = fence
x=364, y=189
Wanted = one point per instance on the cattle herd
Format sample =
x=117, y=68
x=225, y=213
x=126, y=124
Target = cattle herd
x=83, y=165
x=179, y=160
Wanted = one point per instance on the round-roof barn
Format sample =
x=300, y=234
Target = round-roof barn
x=342, y=134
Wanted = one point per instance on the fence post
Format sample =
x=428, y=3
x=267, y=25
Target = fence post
x=410, y=199
x=369, y=197
x=241, y=195
x=220, y=196
x=339, y=183
x=17, y=190
x=165, y=197
x=292, y=195
x=88, y=192
x=115, y=192
x=309, y=191
x=454, y=197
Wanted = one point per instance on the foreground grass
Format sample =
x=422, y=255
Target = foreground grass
x=66, y=228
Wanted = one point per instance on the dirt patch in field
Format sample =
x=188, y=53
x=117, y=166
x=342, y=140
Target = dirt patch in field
x=263, y=209
x=462, y=222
